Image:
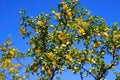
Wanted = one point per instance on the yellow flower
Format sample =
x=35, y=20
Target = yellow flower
x=102, y=53
x=93, y=61
x=40, y=23
x=65, y=7
x=56, y=40
x=84, y=24
x=106, y=29
x=7, y=43
x=77, y=20
x=105, y=34
x=63, y=46
x=81, y=31
x=11, y=70
x=112, y=51
x=12, y=52
x=34, y=69
x=43, y=68
x=8, y=60
x=97, y=34
x=113, y=68
x=50, y=55
x=69, y=14
x=68, y=57
x=97, y=44
x=61, y=36
x=37, y=31
x=22, y=31
x=48, y=72
x=74, y=68
x=117, y=36
x=109, y=65
x=62, y=3
x=54, y=64
x=4, y=66
x=41, y=58
x=37, y=51
x=57, y=16
x=92, y=51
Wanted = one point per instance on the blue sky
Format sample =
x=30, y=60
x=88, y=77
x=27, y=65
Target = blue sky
x=9, y=17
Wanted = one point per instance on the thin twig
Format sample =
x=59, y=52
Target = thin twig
x=89, y=72
x=20, y=62
x=81, y=75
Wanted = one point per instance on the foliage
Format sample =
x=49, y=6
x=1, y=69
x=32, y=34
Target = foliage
x=69, y=38
x=7, y=64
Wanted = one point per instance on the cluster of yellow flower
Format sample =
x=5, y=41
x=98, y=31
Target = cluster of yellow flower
x=97, y=44
x=81, y=31
x=50, y=55
x=40, y=23
x=68, y=57
x=37, y=51
x=37, y=31
x=61, y=36
x=57, y=16
x=12, y=52
x=22, y=31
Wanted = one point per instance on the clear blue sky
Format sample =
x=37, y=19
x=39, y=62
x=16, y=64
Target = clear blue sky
x=9, y=17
